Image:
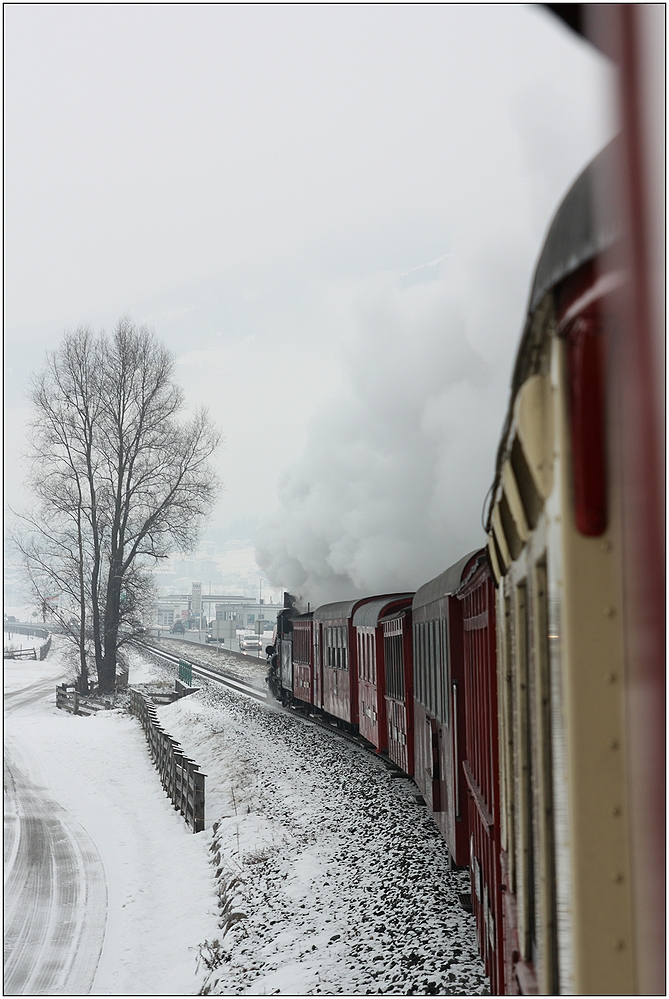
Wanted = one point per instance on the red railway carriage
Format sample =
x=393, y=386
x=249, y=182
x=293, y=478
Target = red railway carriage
x=302, y=653
x=335, y=657
x=335, y=676
x=439, y=705
x=370, y=645
x=481, y=764
x=398, y=661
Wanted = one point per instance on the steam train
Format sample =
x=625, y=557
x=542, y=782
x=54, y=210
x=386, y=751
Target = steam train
x=523, y=687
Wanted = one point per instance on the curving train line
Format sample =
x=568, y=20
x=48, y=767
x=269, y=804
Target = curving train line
x=234, y=683
x=207, y=672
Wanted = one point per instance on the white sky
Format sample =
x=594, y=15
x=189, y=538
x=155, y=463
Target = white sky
x=254, y=180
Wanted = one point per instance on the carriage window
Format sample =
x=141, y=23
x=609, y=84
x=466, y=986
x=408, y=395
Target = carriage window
x=416, y=664
x=394, y=656
x=439, y=672
x=301, y=644
x=532, y=502
x=432, y=658
x=428, y=666
x=425, y=664
x=418, y=660
x=509, y=525
x=445, y=672
x=364, y=655
x=425, y=670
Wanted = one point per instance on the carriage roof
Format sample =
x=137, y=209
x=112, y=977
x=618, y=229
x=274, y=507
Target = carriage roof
x=444, y=584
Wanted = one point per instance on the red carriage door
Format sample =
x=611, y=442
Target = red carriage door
x=481, y=767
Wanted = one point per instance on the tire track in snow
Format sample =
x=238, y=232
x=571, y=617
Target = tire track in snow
x=55, y=888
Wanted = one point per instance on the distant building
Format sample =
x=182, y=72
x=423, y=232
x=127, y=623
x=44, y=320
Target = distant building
x=243, y=611
x=248, y=614
x=167, y=612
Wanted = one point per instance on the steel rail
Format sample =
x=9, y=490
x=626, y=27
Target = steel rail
x=206, y=672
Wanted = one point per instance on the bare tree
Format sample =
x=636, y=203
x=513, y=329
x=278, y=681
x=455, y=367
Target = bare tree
x=121, y=479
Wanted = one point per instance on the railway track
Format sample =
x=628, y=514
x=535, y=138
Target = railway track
x=206, y=672
x=232, y=682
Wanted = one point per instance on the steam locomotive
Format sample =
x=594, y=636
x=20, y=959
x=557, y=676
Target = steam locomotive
x=523, y=687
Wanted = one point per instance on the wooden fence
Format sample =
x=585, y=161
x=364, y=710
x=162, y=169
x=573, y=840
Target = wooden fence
x=181, y=777
x=30, y=653
x=31, y=631
x=69, y=699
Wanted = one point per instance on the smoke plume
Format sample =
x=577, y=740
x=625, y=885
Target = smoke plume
x=390, y=488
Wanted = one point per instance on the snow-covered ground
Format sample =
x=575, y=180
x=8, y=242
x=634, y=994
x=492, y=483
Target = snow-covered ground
x=317, y=871
x=161, y=900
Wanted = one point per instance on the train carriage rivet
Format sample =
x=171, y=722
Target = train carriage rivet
x=614, y=744
x=616, y=811
x=619, y=945
x=612, y=677
x=609, y=611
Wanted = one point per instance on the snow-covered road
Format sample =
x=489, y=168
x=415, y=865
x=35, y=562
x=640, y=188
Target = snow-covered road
x=55, y=894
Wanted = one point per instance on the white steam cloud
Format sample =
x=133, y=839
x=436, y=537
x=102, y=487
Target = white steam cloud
x=390, y=488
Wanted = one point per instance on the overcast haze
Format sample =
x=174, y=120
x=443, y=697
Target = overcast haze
x=331, y=214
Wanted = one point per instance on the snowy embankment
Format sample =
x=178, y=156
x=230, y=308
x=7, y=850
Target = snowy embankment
x=332, y=879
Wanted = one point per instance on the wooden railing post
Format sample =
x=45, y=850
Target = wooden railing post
x=179, y=775
x=198, y=801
